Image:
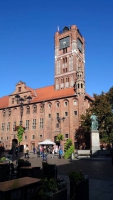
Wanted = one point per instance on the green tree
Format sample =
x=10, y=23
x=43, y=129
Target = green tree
x=102, y=106
x=68, y=149
x=60, y=138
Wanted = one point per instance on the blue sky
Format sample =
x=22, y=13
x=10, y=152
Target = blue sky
x=27, y=30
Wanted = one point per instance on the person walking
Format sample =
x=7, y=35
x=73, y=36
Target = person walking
x=53, y=151
x=26, y=151
x=60, y=153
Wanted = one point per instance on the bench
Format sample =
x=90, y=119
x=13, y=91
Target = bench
x=80, y=153
x=85, y=152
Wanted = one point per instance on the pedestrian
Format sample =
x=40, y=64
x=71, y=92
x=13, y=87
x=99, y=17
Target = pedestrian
x=53, y=151
x=60, y=153
x=111, y=153
x=34, y=150
x=26, y=151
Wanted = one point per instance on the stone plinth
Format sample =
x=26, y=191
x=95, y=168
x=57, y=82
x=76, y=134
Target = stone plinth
x=95, y=142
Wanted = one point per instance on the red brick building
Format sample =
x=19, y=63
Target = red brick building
x=53, y=109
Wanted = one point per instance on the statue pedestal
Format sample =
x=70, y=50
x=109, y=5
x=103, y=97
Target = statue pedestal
x=95, y=142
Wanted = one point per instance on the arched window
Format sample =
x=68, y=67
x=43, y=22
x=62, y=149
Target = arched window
x=28, y=110
x=34, y=108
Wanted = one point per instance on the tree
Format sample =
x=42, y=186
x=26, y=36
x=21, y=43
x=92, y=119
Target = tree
x=102, y=106
x=60, y=137
x=68, y=149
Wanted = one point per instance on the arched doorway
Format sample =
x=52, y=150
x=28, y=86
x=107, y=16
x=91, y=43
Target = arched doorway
x=57, y=142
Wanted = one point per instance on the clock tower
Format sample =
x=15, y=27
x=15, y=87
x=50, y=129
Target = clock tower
x=69, y=60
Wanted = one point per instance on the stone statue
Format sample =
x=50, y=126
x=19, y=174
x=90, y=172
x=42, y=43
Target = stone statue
x=94, y=120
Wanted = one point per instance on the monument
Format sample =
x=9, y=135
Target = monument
x=95, y=140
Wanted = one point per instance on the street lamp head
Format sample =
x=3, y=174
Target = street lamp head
x=63, y=118
x=17, y=97
x=29, y=99
x=21, y=100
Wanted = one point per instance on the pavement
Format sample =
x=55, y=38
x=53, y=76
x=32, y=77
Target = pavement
x=99, y=171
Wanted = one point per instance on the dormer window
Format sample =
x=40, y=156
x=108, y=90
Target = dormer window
x=19, y=89
x=13, y=100
x=25, y=97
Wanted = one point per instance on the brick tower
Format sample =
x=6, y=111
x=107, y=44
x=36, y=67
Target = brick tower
x=69, y=60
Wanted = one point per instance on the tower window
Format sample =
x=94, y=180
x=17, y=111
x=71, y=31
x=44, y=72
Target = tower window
x=81, y=85
x=19, y=89
x=65, y=50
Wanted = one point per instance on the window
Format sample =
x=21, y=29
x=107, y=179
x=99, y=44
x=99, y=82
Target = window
x=25, y=137
x=57, y=125
x=25, y=97
x=19, y=89
x=7, y=138
x=64, y=60
x=42, y=108
x=3, y=126
x=49, y=115
x=21, y=122
x=8, y=126
x=74, y=102
x=40, y=136
x=75, y=112
x=34, y=109
x=14, y=125
x=66, y=136
x=27, y=124
x=4, y=113
x=28, y=110
x=41, y=123
x=9, y=112
x=65, y=103
x=57, y=104
x=66, y=114
x=34, y=124
x=65, y=50
x=67, y=79
x=1, y=138
x=33, y=137
x=13, y=100
x=49, y=105
x=57, y=115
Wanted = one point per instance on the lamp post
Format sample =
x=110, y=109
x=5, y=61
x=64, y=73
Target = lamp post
x=20, y=101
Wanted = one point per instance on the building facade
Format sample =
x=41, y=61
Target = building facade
x=53, y=109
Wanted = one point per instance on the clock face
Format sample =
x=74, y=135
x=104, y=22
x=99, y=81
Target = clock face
x=64, y=42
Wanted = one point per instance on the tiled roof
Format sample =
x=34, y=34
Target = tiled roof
x=48, y=93
x=44, y=94
x=4, y=101
x=31, y=90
